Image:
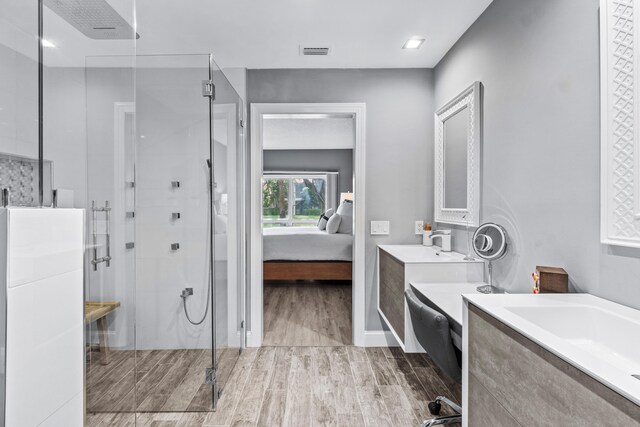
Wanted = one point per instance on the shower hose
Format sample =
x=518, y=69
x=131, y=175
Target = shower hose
x=184, y=296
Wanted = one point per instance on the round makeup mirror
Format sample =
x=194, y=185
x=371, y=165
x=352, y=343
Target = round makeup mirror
x=490, y=241
x=490, y=244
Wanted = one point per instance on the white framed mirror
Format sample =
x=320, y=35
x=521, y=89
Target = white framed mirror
x=458, y=140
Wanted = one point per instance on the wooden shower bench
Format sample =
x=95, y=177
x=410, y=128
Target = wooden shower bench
x=95, y=311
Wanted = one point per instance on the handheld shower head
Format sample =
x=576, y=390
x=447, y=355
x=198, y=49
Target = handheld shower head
x=209, y=163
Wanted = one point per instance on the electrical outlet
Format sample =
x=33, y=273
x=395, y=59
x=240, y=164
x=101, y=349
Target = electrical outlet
x=379, y=228
x=419, y=227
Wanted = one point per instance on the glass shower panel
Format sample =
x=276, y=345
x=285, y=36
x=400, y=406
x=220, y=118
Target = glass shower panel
x=110, y=257
x=19, y=101
x=227, y=206
x=174, y=297
x=89, y=136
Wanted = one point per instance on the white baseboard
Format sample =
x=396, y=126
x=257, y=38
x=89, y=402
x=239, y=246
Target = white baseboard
x=371, y=339
x=379, y=339
x=252, y=340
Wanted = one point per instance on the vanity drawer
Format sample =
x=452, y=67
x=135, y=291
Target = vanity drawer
x=392, y=292
x=515, y=371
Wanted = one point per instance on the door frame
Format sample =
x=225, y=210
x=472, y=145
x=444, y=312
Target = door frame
x=255, y=332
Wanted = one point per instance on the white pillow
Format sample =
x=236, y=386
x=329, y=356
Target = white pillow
x=346, y=212
x=334, y=223
x=324, y=218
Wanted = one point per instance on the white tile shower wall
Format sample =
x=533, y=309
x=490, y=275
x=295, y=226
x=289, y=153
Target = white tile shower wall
x=104, y=88
x=44, y=286
x=172, y=145
x=18, y=99
x=159, y=273
x=65, y=124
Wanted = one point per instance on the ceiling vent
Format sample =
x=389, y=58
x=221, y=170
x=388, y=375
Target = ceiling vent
x=315, y=51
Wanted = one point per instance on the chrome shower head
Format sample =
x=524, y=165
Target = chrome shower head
x=95, y=19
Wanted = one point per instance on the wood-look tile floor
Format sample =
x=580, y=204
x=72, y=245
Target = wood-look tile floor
x=308, y=386
x=307, y=313
x=165, y=380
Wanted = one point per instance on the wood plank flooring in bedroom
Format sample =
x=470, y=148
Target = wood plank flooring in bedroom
x=307, y=313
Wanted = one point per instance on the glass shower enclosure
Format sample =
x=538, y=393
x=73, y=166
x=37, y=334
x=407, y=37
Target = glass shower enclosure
x=151, y=148
x=163, y=233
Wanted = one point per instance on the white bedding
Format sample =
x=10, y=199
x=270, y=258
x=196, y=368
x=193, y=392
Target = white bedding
x=305, y=244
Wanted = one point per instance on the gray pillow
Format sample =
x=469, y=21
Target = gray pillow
x=334, y=223
x=346, y=212
x=324, y=218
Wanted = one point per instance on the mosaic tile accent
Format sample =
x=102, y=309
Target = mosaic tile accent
x=20, y=176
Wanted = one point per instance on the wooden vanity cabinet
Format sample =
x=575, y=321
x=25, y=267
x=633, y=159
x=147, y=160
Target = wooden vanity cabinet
x=398, y=266
x=513, y=381
x=392, y=292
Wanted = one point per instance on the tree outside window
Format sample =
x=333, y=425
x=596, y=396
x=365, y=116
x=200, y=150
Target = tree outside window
x=303, y=208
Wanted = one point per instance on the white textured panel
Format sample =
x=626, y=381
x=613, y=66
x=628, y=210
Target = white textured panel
x=620, y=216
x=44, y=347
x=43, y=243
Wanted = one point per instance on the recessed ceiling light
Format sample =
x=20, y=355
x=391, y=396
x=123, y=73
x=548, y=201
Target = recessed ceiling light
x=47, y=43
x=413, y=43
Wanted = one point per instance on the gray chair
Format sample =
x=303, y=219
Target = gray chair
x=432, y=330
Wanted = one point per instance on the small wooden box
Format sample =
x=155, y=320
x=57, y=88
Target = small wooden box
x=553, y=280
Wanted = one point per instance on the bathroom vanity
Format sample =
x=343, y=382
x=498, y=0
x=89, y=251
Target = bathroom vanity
x=550, y=360
x=401, y=265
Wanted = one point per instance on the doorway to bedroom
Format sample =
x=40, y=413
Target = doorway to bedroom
x=306, y=228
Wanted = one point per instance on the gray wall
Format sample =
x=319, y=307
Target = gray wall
x=340, y=161
x=539, y=65
x=399, y=144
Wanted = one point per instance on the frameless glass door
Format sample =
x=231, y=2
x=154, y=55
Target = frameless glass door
x=187, y=294
x=175, y=299
x=228, y=109
x=163, y=171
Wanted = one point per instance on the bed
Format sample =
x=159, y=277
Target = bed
x=306, y=253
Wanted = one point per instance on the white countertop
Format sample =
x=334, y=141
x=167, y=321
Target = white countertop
x=597, y=336
x=418, y=254
x=448, y=296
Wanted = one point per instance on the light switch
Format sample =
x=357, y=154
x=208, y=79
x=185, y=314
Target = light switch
x=379, y=228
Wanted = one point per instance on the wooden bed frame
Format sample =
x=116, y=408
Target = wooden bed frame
x=306, y=270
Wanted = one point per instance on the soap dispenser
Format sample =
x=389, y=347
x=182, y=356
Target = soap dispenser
x=426, y=235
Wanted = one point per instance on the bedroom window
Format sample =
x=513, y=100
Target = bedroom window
x=293, y=200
